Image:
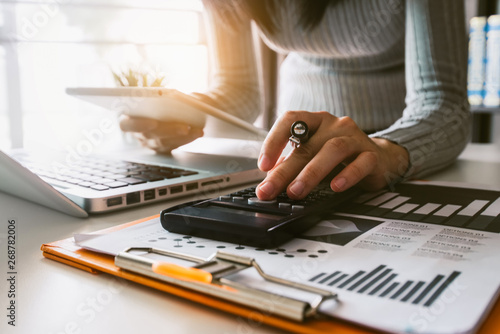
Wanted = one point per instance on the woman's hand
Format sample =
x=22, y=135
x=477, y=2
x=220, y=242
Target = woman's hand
x=159, y=136
x=371, y=162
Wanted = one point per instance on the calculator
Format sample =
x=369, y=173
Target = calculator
x=241, y=218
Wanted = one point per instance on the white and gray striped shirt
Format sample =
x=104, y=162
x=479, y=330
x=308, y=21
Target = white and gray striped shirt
x=396, y=67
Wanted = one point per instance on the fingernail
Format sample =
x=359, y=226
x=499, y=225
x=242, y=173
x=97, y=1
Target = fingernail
x=263, y=162
x=267, y=188
x=340, y=183
x=297, y=188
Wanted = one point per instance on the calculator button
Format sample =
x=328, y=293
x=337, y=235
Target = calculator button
x=284, y=205
x=224, y=198
x=238, y=198
x=256, y=201
x=297, y=208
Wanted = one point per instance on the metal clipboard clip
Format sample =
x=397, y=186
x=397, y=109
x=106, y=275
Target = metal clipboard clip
x=209, y=276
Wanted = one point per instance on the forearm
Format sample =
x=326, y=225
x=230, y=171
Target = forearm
x=234, y=86
x=242, y=101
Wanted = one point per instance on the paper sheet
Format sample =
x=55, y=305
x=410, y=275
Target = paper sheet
x=436, y=273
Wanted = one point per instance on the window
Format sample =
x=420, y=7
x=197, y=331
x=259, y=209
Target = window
x=48, y=46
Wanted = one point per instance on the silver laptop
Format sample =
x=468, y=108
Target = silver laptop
x=101, y=184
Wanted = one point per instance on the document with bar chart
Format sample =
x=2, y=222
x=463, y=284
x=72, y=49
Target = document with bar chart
x=420, y=258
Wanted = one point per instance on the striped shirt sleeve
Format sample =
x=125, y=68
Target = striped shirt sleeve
x=235, y=83
x=435, y=124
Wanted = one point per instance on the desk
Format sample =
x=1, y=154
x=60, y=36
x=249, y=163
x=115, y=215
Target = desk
x=54, y=298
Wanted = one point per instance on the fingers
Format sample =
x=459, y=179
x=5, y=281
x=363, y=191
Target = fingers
x=162, y=137
x=279, y=177
x=306, y=168
x=166, y=145
x=151, y=128
x=331, y=154
x=335, y=141
x=355, y=172
x=136, y=124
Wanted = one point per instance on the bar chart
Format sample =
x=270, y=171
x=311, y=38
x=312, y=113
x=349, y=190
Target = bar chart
x=382, y=282
x=459, y=207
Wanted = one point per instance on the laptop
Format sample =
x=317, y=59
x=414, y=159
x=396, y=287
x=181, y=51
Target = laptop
x=98, y=184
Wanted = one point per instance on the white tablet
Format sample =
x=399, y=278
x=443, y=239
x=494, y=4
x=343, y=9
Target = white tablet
x=169, y=105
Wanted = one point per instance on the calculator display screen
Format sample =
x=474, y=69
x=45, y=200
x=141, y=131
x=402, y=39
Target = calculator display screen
x=246, y=213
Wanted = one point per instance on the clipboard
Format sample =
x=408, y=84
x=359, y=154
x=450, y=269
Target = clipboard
x=126, y=265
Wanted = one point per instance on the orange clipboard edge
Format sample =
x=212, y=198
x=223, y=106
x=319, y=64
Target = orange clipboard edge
x=67, y=252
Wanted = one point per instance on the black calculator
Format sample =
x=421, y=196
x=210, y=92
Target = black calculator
x=242, y=218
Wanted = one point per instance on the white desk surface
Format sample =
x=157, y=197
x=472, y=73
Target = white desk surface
x=53, y=298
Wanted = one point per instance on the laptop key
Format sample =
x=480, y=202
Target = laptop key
x=116, y=184
x=170, y=175
x=62, y=178
x=131, y=180
x=118, y=170
x=73, y=181
x=166, y=170
x=99, y=187
x=86, y=184
x=103, y=180
x=92, y=178
x=77, y=175
x=150, y=177
x=100, y=173
x=116, y=176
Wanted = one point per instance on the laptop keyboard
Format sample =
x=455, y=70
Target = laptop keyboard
x=99, y=174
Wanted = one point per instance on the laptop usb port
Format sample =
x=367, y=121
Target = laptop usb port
x=133, y=198
x=191, y=186
x=114, y=201
x=149, y=195
x=176, y=189
x=162, y=192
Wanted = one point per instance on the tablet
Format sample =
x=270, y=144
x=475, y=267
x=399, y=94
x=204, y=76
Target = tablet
x=169, y=105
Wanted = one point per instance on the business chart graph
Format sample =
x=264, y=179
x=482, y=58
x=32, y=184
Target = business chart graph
x=381, y=282
x=458, y=207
